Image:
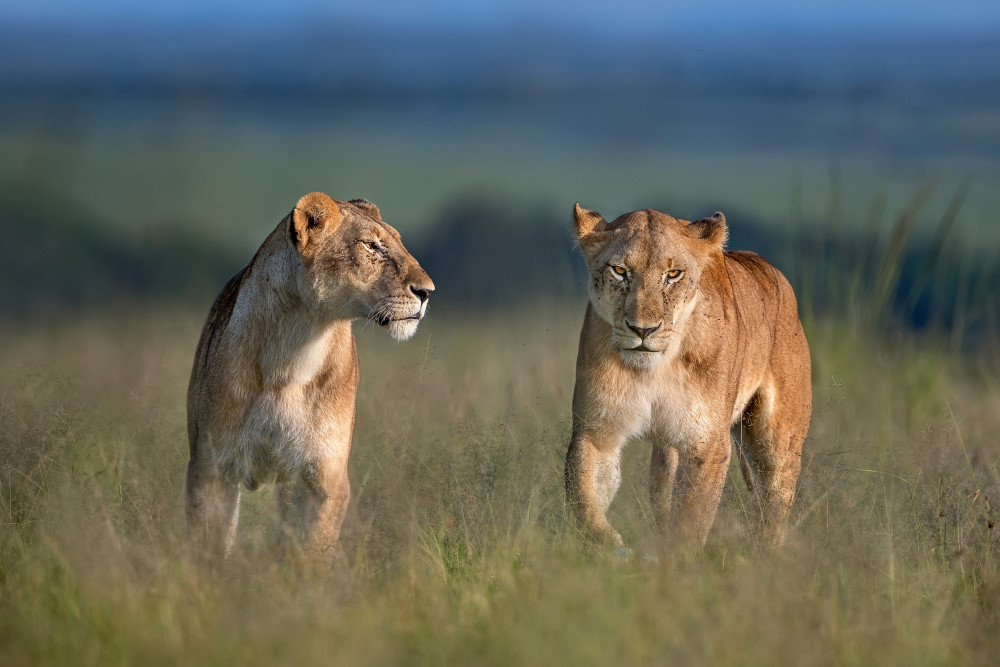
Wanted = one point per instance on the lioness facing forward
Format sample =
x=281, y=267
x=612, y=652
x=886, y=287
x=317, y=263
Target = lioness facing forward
x=682, y=343
x=275, y=375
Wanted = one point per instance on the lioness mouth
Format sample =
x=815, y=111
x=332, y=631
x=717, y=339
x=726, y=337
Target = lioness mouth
x=384, y=320
x=640, y=348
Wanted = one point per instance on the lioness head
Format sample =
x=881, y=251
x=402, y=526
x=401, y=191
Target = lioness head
x=354, y=265
x=645, y=271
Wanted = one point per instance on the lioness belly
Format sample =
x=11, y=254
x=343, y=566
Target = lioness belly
x=280, y=436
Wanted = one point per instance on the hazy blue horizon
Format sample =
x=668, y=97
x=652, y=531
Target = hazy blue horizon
x=889, y=17
x=413, y=105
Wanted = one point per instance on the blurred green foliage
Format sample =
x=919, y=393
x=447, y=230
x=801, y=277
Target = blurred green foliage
x=56, y=258
x=486, y=251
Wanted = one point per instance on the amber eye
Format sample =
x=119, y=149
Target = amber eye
x=370, y=246
x=619, y=270
x=674, y=274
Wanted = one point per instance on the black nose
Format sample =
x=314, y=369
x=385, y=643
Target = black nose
x=422, y=293
x=643, y=332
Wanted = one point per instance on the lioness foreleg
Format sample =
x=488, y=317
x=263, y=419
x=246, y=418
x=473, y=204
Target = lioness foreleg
x=593, y=473
x=662, y=476
x=701, y=475
x=312, y=507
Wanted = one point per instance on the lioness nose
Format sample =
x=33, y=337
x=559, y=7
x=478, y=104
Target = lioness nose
x=643, y=332
x=423, y=293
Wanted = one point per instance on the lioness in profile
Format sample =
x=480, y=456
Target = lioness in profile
x=272, y=390
x=682, y=343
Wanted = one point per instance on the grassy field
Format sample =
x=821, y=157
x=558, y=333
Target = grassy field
x=123, y=195
x=457, y=545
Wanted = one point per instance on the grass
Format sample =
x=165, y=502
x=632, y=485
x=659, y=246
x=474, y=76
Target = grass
x=457, y=544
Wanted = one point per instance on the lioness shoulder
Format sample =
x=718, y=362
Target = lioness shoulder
x=685, y=344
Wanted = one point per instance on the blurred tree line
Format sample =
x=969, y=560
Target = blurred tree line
x=488, y=252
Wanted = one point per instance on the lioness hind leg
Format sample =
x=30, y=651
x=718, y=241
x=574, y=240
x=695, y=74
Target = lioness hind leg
x=769, y=445
x=212, y=507
x=593, y=474
x=312, y=508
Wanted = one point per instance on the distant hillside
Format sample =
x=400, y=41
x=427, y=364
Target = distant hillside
x=484, y=252
x=55, y=257
x=487, y=252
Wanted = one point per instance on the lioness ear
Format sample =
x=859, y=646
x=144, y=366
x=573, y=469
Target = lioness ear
x=587, y=221
x=713, y=230
x=368, y=207
x=312, y=214
x=591, y=230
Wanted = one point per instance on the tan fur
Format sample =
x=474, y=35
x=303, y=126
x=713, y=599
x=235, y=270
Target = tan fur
x=687, y=361
x=273, y=387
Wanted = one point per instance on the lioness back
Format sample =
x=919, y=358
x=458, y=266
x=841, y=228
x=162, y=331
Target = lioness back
x=687, y=345
x=211, y=332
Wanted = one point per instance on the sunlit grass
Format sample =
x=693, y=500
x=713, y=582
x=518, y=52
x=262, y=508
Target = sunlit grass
x=457, y=545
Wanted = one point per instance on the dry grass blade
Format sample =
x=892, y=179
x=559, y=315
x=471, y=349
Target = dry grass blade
x=944, y=229
x=888, y=271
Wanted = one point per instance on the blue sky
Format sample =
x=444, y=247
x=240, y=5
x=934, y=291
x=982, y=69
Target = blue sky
x=617, y=16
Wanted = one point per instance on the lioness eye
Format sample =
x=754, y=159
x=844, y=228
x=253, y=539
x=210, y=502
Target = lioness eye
x=370, y=246
x=619, y=270
x=674, y=274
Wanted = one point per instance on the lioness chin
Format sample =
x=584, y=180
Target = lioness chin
x=690, y=346
x=275, y=375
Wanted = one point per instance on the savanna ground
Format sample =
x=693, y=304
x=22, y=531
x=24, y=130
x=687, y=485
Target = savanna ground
x=458, y=547
x=127, y=198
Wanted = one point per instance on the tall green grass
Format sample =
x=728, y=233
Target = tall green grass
x=457, y=547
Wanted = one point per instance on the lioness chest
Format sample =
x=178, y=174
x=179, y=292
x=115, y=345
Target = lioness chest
x=667, y=407
x=288, y=421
